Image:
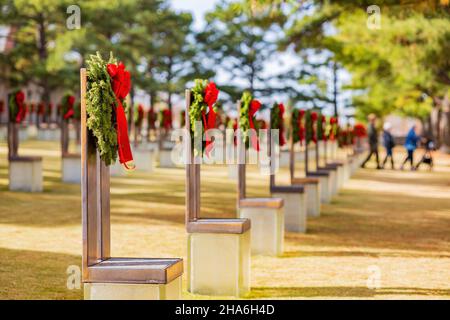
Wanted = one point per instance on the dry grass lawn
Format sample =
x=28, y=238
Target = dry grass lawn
x=396, y=223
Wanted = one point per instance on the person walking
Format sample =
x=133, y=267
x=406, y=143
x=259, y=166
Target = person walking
x=389, y=144
x=373, y=141
x=410, y=146
x=427, y=157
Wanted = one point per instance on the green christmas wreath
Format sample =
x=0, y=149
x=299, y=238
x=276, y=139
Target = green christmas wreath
x=295, y=125
x=197, y=108
x=100, y=99
x=13, y=107
x=244, y=121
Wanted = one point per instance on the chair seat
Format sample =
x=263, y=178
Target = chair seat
x=233, y=226
x=135, y=270
x=71, y=155
x=25, y=159
x=327, y=168
x=319, y=173
x=271, y=203
x=287, y=189
x=305, y=180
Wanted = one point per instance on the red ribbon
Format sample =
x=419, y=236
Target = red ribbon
x=211, y=95
x=313, y=120
x=254, y=107
x=2, y=107
x=301, y=129
x=70, y=112
x=41, y=108
x=121, y=85
x=167, y=119
x=20, y=99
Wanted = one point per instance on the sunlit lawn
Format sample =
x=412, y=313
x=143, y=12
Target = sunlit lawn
x=398, y=222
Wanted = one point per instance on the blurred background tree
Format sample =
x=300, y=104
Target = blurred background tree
x=400, y=68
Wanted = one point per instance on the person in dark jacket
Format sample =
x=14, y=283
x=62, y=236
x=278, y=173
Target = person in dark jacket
x=427, y=157
x=389, y=144
x=373, y=141
x=410, y=146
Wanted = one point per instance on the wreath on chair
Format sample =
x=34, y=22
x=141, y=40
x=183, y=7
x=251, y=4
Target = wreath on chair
x=17, y=107
x=108, y=84
x=68, y=106
x=277, y=121
x=249, y=107
x=298, y=130
x=204, y=95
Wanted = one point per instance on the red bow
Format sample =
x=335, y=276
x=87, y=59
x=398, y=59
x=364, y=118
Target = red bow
x=301, y=129
x=167, y=119
x=121, y=85
x=211, y=95
x=314, y=119
x=70, y=112
x=254, y=107
x=20, y=99
x=2, y=106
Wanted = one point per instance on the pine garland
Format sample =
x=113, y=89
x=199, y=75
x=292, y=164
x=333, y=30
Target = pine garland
x=295, y=125
x=198, y=105
x=100, y=99
x=308, y=127
x=244, y=121
x=13, y=107
x=65, y=104
x=320, y=128
x=275, y=116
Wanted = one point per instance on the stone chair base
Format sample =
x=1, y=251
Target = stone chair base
x=340, y=170
x=295, y=208
x=313, y=194
x=126, y=291
x=267, y=219
x=134, y=279
x=165, y=159
x=325, y=185
x=25, y=174
x=143, y=160
x=333, y=172
x=71, y=168
x=219, y=257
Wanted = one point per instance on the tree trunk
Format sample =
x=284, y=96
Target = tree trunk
x=444, y=131
x=43, y=55
x=335, y=89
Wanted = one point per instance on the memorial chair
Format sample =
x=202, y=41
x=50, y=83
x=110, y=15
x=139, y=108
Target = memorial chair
x=295, y=206
x=218, y=249
x=265, y=214
x=107, y=277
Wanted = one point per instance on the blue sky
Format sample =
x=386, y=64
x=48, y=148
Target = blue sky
x=197, y=7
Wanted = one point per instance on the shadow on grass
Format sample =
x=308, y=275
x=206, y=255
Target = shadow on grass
x=340, y=292
x=36, y=275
